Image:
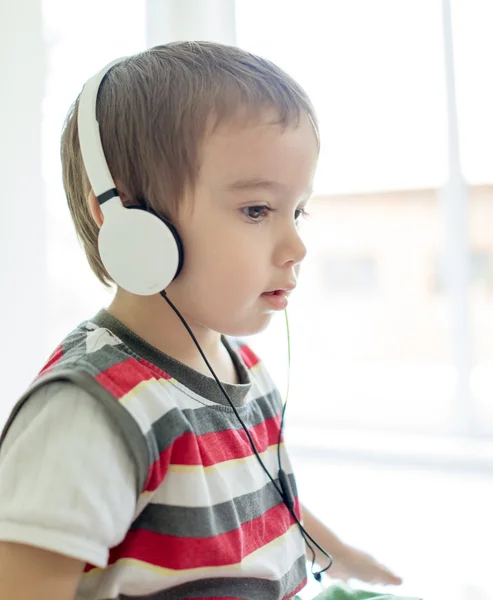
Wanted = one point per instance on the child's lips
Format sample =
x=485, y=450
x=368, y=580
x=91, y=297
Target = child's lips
x=283, y=290
x=278, y=299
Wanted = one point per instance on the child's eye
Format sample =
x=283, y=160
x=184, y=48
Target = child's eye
x=300, y=212
x=256, y=214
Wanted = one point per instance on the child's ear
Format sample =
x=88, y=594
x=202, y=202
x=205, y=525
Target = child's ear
x=95, y=209
x=123, y=192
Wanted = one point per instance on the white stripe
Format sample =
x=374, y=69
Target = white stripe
x=270, y=562
x=150, y=400
x=197, y=486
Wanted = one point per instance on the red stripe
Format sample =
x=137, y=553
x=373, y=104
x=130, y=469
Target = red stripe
x=162, y=374
x=158, y=470
x=248, y=356
x=128, y=374
x=220, y=446
x=177, y=553
x=54, y=358
x=212, y=448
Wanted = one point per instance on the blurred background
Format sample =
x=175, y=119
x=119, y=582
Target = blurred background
x=390, y=417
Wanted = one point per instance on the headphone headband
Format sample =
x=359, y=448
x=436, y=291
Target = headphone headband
x=89, y=134
x=141, y=252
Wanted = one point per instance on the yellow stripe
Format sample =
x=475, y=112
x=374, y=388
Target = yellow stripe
x=223, y=466
x=142, y=386
x=162, y=571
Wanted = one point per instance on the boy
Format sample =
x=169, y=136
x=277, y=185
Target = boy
x=138, y=479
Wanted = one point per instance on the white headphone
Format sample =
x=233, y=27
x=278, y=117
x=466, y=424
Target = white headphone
x=141, y=251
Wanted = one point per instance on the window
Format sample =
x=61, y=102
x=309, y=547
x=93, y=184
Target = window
x=379, y=221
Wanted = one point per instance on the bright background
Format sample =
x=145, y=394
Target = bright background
x=390, y=417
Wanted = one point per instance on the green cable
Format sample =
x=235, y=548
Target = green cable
x=287, y=388
x=289, y=353
x=317, y=574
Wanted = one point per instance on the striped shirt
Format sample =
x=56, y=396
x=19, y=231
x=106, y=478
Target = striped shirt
x=206, y=521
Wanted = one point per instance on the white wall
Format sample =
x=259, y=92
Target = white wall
x=22, y=223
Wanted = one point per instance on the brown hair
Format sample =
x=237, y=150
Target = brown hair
x=154, y=109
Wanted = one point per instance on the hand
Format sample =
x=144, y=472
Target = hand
x=351, y=563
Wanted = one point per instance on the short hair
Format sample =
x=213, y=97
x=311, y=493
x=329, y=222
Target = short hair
x=154, y=110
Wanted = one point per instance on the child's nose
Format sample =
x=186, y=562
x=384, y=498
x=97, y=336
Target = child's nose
x=291, y=248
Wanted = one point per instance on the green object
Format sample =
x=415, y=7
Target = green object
x=343, y=592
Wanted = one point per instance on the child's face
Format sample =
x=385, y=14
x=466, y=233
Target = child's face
x=241, y=238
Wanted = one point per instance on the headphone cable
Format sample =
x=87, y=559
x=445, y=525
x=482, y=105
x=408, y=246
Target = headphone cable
x=284, y=490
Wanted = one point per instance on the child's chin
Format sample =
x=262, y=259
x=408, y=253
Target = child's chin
x=255, y=326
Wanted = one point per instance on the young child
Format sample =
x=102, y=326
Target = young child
x=125, y=469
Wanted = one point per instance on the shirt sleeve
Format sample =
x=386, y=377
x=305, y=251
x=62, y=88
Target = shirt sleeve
x=67, y=479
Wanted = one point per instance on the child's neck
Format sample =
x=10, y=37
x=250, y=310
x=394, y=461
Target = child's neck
x=152, y=319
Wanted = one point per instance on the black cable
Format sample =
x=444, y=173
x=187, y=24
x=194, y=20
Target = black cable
x=285, y=490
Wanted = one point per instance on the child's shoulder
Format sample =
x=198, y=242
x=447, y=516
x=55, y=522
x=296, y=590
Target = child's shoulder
x=87, y=344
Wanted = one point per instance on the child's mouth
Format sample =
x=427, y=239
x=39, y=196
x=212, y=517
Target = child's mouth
x=277, y=299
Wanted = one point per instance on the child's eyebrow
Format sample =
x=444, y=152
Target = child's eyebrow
x=262, y=184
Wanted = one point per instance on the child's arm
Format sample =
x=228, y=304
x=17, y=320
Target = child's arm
x=349, y=562
x=67, y=489
x=27, y=572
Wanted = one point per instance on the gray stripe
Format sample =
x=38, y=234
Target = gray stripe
x=209, y=521
x=129, y=429
x=74, y=343
x=245, y=588
x=105, y=357
x=204, y=420
x=165, y=431
x=201, y=384
x=210, y=419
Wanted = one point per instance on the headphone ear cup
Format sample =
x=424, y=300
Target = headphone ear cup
x=140, y=251
x=173, y=230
